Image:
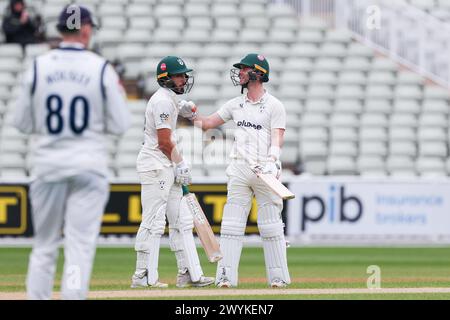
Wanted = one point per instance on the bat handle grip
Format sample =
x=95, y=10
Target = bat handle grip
x=185, y=190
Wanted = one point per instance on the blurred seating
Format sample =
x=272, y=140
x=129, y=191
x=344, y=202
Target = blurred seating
x=349, y=110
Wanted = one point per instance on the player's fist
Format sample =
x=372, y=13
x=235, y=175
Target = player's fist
x=273, y=167
x=183, y=174
x=187, y=109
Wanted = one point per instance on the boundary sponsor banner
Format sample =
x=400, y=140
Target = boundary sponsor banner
x=14, y=210
x=123, y=211
x=383, y=208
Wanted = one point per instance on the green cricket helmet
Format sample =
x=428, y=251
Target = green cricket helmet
x=259, y=65
x=170, y=66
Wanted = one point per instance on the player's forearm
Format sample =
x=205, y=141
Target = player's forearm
x=189, y=110
x=276, y=145
x=176, y=157
x=201, y=122
x=171, y=152
x=209, y=122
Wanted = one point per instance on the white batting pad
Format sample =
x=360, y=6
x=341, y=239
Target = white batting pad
x=185, y=226
x=271, y=230
x=147, y=257
x=232, y=229
x=276, y=260
x=141, y=263
x=227, y=267
x=153, y=259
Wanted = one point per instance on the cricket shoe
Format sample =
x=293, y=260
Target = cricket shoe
x=184, y=281
x=159, y=285
x=278, y=283
x=223, y=283
x=141, y=282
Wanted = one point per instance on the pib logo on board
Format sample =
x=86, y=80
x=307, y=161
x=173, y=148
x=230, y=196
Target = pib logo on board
x=337, y=207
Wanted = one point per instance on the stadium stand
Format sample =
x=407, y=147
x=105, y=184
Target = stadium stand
x=437, y=8
x=351, y=110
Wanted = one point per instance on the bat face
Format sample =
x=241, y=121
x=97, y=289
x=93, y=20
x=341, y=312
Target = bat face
x=202, y=226
x=195, y=208
x=276, y=186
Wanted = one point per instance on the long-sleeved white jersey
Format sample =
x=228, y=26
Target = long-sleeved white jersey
x=71, y=98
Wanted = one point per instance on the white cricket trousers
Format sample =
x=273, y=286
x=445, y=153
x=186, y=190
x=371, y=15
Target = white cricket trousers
x=242, y=185
x=160, y=197
x=69, y=209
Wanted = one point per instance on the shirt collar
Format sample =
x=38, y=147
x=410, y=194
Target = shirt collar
x=71, y=46
x=170, y=93
x=261, y=100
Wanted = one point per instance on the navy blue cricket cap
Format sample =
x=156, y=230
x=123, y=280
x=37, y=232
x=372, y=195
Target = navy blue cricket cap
x=73, y=16
x=13, y=2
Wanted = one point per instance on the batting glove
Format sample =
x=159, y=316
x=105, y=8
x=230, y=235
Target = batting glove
x=183, y=174
x=256, y=168
x=187, y=109
x=273, y=167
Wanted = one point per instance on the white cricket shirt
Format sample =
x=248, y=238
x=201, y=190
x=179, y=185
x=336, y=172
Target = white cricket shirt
x=254, y=121
x=70, y=99
x=161, y=112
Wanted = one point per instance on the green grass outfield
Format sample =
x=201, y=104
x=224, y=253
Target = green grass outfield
x=310, y=268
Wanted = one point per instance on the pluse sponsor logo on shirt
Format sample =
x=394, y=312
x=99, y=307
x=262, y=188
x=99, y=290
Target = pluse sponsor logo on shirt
x=248, y=124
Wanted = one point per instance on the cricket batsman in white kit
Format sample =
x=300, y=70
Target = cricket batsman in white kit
x=261, y=122
x=70, y=100
x=162, y=171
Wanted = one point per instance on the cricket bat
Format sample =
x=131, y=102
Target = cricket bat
x=270, y=180
x=202, y=226
x=275, y=185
